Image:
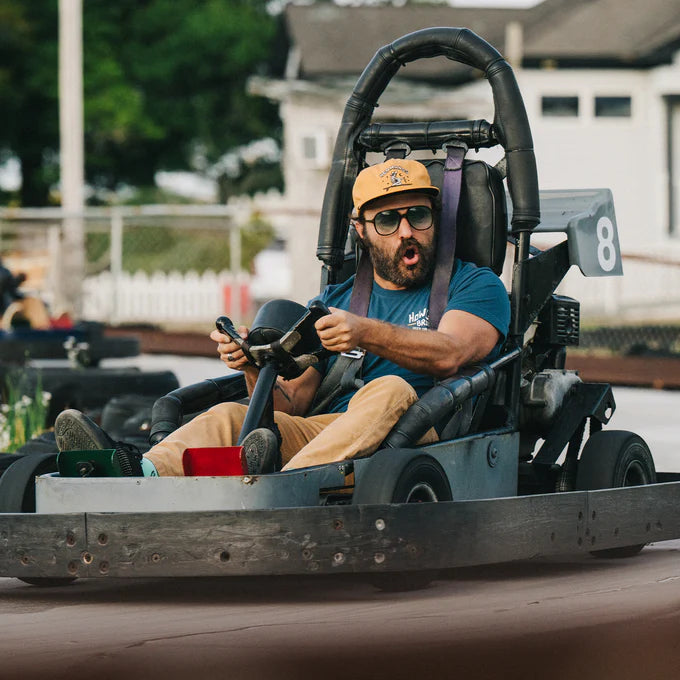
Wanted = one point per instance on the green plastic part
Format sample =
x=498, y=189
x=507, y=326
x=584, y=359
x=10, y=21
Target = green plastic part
x=97, y=463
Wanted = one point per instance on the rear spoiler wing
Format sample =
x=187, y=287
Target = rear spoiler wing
x=588, y=218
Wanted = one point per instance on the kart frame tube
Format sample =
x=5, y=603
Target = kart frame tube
x=511, y=126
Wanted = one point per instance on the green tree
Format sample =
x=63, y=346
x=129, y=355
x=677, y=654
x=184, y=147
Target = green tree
x=164, y=85
x=29, y=113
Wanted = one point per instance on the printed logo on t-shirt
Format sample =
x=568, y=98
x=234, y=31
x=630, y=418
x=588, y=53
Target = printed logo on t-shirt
x=420, y=321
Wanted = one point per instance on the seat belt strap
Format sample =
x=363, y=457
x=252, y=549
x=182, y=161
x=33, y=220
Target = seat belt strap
x=363, y=285
x=343, y=377
x=446, y=247
x=344, y=374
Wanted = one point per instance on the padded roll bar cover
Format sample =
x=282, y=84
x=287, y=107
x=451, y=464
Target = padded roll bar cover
x=429, y=135
x=511, y=125
x=168, y=411
x=437, y=403
x=482, y=214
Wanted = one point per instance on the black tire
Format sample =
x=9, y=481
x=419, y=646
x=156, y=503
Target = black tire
x=612, y=459
x=402, y=476
x=43, y=443
x=91, y=389
x=17, y=486
x=47, y=581
x=17, y=494
x=7, y=459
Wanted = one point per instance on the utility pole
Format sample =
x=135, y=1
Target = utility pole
x=514, y=44
x=69, y=295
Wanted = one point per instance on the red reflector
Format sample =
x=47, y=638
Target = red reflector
x=214, y=461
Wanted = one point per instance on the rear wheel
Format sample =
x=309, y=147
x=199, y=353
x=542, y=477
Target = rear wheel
x=402, y=476
x=612, y=459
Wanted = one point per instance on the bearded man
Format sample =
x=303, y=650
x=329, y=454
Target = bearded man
x=395, y=217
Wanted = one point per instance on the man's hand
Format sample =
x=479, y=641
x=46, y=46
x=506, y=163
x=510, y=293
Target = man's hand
x=340, y=331
x=229, y=351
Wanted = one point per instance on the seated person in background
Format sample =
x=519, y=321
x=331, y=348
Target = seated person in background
x=396, y=221
x=15, y=306
x=9, y=287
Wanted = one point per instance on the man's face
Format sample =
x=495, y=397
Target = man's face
x=404, y=259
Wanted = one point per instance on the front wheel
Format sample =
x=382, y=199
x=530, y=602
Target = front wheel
x=612, y=459
x=402, y=476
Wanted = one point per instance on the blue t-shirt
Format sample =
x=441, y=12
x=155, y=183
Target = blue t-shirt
x=473, y=289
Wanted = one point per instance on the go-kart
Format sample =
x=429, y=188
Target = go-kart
x=63, y=358
x=511, y=476
x=28, y=332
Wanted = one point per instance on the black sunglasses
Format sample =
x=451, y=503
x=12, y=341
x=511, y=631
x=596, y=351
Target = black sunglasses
x=386, y=222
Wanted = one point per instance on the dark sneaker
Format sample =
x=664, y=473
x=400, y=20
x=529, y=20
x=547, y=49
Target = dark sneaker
x=74, y=431
x=261, y=451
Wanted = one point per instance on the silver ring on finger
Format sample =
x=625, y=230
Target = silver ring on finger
x=230, y=357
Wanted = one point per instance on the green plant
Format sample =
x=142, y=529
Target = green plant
x=22, y=417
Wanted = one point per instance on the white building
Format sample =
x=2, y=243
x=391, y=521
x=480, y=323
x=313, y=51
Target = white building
x=601, y=84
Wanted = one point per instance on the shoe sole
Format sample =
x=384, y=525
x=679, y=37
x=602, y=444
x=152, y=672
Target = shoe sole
x=260, y=452
x=73, y=433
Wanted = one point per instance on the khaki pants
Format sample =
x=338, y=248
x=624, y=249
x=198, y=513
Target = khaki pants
x=32, y=309
x=325, y=438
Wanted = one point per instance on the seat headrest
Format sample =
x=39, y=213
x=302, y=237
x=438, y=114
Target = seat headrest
x=482, y=213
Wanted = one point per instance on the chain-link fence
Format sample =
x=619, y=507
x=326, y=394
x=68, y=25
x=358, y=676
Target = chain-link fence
x=641, y=340
x=145, y=250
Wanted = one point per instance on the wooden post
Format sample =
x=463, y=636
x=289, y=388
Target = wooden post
x=235, y=266
x=116, y=262
x=69, y=294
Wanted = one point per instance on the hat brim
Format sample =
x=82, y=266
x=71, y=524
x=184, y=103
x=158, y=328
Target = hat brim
x=432, y=191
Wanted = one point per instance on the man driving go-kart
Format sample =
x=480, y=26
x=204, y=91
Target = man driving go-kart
x=396, y=220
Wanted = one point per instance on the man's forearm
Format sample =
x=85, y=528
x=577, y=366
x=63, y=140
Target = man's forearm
x=283, y=396
x=251, y=372
x=426, y=352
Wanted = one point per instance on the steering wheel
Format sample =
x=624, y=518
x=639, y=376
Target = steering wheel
x=283, y=335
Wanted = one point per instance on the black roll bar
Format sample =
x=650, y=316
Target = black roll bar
x=168, y=412
x=433, y=135
x=510, y=124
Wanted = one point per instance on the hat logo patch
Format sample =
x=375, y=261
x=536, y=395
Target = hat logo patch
x=395, y=176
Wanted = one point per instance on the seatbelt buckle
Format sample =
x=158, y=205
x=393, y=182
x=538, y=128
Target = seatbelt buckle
x=355, y=353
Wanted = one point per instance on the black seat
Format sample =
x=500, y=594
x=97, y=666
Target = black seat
x=482, y=225
x=482, y=213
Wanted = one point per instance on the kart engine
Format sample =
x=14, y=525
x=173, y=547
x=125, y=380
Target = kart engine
x=542, y=398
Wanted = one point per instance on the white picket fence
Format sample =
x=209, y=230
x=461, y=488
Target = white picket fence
x=165, y=297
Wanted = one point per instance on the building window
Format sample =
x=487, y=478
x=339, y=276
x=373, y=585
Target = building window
x=612, y=107
x=309, y=145
x=563, y=107
x=315, y=150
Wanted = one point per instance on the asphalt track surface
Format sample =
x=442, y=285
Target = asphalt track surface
x=563, y=618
